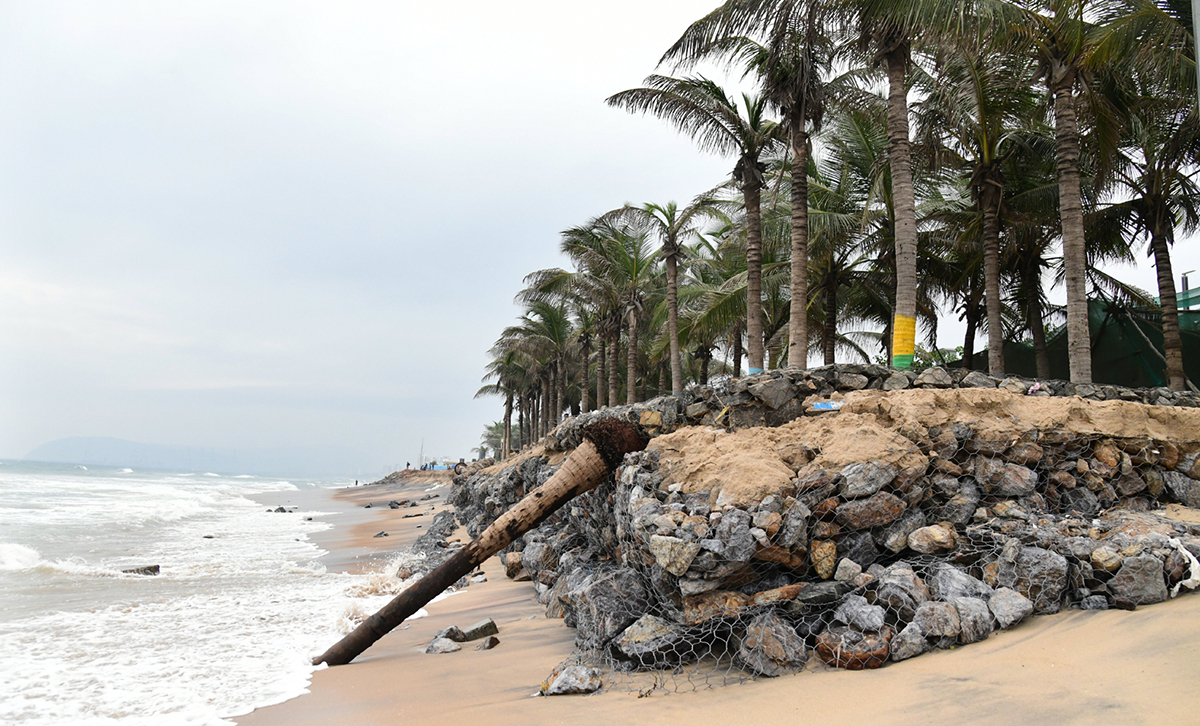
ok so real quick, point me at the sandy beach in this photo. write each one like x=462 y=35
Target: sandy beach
x=1112 y=667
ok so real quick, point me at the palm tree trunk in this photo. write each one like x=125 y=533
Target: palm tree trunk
x=583 y=379
x=507 y=443
x=704 y=360
x=614 y=369
x=1033 y=311
x=631 y=362
x=751 y=192
x=798 y=323
x=1172 y=344
x=601 y=378
x=737 y=352
x=546 y=404
x=562 y=390
x=829 y=335
x=900 y=159
x=1066 y=132
x=989 y=200
x=673 y=323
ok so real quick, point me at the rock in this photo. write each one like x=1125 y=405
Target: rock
x=1080 y=501
x=1139 y=582
x=673 y=554
x=938 y=620
x=488 y=643
x=478 y=579
x=794 y=527
x=1024 y=453
x=777 y=594
x=844 y=647
x=572 y=679
x=451 y=633
x=602 y=604
x=718 y=604
x=847 y=570
x=856 y=612
x=820 y=593
x=1012 y=385
x=738 y=545
x=935 y=377
x=909 y=643
x=1006 y=480
x=1183 y=487
x=770 y=647
x=1009 y=607
x=1108 y=454
x=947 y=581
x=1094 y=602
x=281 y=510
x=894 y=537
x=858 y=546
x=977 y=379
x=442 y=645
x=932 y=539
x=878 y=509
x=823 y=554
x=1106 y=558
x=864 y=479
x=482 y=629
x=975 y=619
x=826 y=530
x=1036 y=573
x=377 y=535
x=147 y=570
x=650 y=641
x=539 y=556
x=774 y=392
x=768 y=522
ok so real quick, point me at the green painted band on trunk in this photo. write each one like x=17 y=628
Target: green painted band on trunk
x=902 y=362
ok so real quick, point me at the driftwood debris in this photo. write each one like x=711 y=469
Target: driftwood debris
x=604 y=446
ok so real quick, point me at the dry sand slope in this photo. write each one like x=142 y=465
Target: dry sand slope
x=1108 y=667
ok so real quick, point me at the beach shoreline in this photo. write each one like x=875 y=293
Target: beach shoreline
x=1077 y=666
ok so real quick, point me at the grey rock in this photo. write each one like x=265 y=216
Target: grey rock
x=1094 y=602
x=572 y=679
x=488 y=643
x=774 y=392
x=1036 y=573
x=650 y=641
x=909 y=643
x=738 y=544
x=1002 y=479
x=858 y=546
x=947 y=581
x=894 y=537
x=817 y=593
x=938 y=620
x=864 y=479
x=1183 y=487
x=1009 y=607
x=859 y=614
x=852 y=381
x=442 y=645
x=377 y=535
x=847 y=570
x=770 y=647
x=602 y=604
x=451 y=633
x=896 y=382
x=1139 y=581
x=975 y=619
x=935 y=377
x=695 y=586
x=793 y=531
x=673 y=554
x=482 y=629
x=1013 y=385
x=977 y=379
x=1080 y=501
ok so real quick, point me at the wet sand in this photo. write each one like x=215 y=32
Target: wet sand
x=1111 y=667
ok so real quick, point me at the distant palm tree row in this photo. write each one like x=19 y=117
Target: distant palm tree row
x=1042 y=139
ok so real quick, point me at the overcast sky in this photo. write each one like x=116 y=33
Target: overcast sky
x=236 y=224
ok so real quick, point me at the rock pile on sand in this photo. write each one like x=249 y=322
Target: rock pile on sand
x=901 y=520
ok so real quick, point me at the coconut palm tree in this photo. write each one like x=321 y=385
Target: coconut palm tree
x=701 y=109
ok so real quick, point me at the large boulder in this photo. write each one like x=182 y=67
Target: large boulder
x=856 y=612
x=1036 y=573
x=651 y=641
x=770 y=647
x=999 y=478
x=1009 y=607
x=947 y=581
x=975 y=620
x=938 y=620
x=1140 y=581
x=863 y=479
x=876 y=510
x=602 y=604
x=1183 y=487
x=844 y=647
x=908 y=643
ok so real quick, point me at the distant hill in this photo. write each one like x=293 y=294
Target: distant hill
x=316 y=462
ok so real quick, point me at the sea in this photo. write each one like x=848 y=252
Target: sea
x=241 y=605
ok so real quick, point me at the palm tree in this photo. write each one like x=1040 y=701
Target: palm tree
x=700 y=108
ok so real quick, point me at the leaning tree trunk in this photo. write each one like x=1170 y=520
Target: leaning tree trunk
x=614 y=368
x=631 y=360
x=989 y=200
x=904 y=324
x=605 y=444
x=1070 y=209
x=752 y=191
x=798 y=323
x=673 y=320
x=1172 y=344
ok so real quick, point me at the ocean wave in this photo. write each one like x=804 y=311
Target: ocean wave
x=17 y=557
x=125 y=471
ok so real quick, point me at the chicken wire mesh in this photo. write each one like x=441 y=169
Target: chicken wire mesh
x=861 y=566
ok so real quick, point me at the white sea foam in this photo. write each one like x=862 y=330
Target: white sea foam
x=17 y=557
x=125 y=471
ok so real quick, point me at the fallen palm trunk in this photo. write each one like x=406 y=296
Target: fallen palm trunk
x=604 y=446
